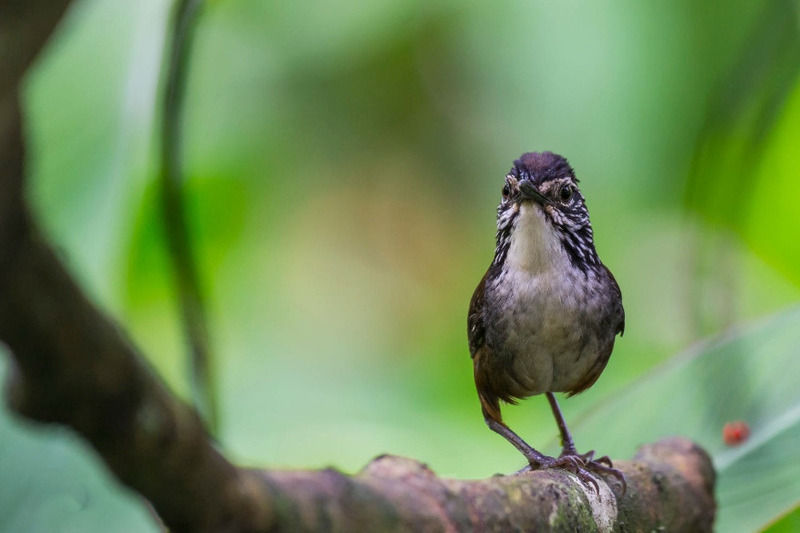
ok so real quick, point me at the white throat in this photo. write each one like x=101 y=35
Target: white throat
x=535 y=247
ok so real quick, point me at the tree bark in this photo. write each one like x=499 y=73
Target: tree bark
x=670 y=488
x=72 y=365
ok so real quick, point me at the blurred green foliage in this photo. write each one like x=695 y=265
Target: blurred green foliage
x=344 y=160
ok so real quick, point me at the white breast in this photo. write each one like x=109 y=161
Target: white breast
x=542 y=299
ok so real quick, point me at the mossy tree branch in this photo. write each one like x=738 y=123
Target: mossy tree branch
x=72 y=365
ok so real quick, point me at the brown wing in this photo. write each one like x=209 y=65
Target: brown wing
x=621 y=311
x=481 y=356
x=617 y=316
x=475 y=328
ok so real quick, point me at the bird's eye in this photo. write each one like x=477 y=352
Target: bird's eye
x=506 y=190
x=565 y=193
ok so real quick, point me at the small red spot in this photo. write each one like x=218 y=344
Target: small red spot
x=735 y=433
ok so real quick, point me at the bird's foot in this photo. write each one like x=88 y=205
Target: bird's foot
x=601 y=465
x=582 y=465
x=570 y=463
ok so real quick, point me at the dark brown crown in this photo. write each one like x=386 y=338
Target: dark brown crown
x=540 y=167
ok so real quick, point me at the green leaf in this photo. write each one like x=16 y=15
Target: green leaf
x=750 y=375
x=789 y=523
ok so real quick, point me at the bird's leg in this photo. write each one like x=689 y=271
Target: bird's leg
x=536 y=459
x=533 y=456
x=567 y=445
x=601 y=465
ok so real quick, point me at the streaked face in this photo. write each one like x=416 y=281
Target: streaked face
x=547 y=181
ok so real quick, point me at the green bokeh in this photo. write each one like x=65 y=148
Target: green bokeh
x=344 y=160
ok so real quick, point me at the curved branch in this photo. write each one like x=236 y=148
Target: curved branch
x=670 y=488
x=74 y=366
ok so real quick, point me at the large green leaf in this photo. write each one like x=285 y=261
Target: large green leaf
x=749 y=374
x=789 y=523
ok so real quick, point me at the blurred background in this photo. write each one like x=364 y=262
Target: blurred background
x=343 y=165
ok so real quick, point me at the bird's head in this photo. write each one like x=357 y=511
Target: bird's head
x=546 y=182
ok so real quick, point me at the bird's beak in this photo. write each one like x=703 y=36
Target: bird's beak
x=529 y=192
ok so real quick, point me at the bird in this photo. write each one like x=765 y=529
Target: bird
x=544 y=317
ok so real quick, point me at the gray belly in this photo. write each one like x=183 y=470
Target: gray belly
x=546 y=333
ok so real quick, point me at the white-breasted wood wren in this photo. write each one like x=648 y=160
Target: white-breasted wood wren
x=545 y=315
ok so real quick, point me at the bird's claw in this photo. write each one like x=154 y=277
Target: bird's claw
x=577 y=465
x=604 y=460
x=587 y=457
x=583 y=465
x=598 y=467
